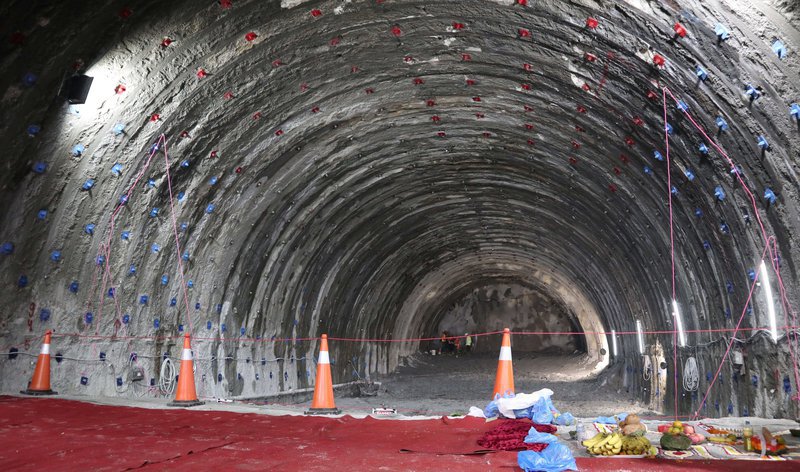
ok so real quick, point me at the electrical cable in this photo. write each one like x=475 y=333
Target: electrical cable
x=166 y=378
x=647 y=369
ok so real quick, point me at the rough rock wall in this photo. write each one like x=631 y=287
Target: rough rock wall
x=371 y=157
x=490 y=309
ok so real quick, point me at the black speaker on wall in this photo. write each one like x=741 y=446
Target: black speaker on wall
x=76 y=88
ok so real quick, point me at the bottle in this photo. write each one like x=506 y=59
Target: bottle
x=581 y=432
x=747 y=434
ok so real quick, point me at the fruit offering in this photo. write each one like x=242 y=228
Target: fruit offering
x=675 y=442
x=676 y=428
x=723 y=439
x=604 y=444
x=774 y=445
x=636 y=445
x=697 y=438
x=631 y=425
x=718 y=431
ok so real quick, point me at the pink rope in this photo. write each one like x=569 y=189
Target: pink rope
x=671 y=253
x=398 y=340
x=730 y=343
x=773 y=254
x=105 y=250
x=177 y=240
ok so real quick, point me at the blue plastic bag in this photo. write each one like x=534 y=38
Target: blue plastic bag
x=550 y=406
x=554 y=458
x=565 y=419
x=611 y=419
x=491 y=410
x=523 y=413
x=542 y=438
x=541 y=412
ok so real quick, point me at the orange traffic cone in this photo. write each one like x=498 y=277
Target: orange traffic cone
x=323 y=403
x=185 y=394
x=504 y=382
x=40 y=383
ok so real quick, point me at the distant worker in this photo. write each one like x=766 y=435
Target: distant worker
x=443 y=345
x=468 y=342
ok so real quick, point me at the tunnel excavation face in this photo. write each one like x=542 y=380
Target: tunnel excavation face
x=384 y=171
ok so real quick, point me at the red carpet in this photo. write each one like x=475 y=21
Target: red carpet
x=62 y=435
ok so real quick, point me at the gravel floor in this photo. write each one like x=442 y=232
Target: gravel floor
x=450 y=385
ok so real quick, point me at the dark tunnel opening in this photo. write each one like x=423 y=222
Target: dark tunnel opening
x=491 y=306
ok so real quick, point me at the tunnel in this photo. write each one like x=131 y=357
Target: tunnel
x=260 y=173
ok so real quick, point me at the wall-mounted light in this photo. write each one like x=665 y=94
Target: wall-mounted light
x=640 y=336
x=773 y=324
x=614 y=342
x=679 y=324
x=76 y=89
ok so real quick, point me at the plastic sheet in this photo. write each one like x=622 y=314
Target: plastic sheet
x=794 y=111
x=555 y=458
x=721 y=31
x=769 y=195
x=541 y=412
x=564 y=419
x=779 y=48
x=611 y=419
x=521 y=401
x=535 y=436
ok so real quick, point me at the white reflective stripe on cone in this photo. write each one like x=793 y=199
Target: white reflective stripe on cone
x=45 y=349
x=505 y=353
x=323 y=358
x=186 y=355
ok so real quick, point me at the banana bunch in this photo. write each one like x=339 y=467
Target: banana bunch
x=604 y=444
x=635 y=445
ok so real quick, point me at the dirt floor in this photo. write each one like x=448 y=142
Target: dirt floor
x=432 y=385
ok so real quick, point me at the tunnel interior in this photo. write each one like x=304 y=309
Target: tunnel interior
x=490 y=308
x=259 y=173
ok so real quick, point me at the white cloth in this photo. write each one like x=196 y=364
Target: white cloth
x=476 y=412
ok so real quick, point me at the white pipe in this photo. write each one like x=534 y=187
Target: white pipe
x=614 y=341
x=640 y=336
x=773 y=324
x=679 y=324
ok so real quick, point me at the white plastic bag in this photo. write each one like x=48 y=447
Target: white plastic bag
x=521 y=401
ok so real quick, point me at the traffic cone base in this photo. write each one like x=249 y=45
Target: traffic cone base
x=323 y=402
x=185 y=393
x=323 y=411
x=40 y=382
x=185 y=403
x=38 y=392
x=504 y=381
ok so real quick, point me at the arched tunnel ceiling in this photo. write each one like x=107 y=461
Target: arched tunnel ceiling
x=365 y=152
